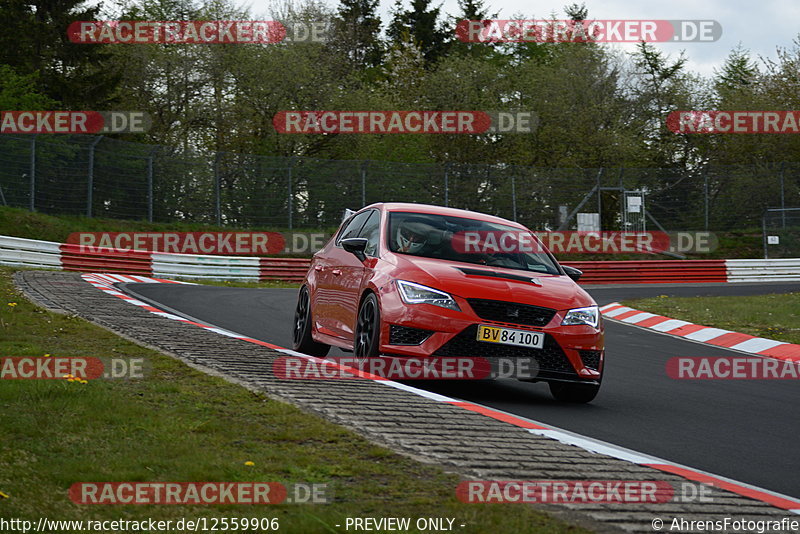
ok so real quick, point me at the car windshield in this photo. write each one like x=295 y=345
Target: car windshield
x=467 y=240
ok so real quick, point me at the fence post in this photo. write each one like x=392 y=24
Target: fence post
x=364 y=183
x=447 y=184
x=764 y=233
x=600 y=196
x=290 y=193
x=514 y=198
x=705 y=199
x=90 y=178
x=783 y=206
x=217 y=190
x=150 y=184
x=32 y=205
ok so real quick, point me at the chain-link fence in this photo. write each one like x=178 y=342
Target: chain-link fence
x=104 y=177
x=781 y=233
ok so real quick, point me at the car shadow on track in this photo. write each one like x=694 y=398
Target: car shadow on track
x=496 y=392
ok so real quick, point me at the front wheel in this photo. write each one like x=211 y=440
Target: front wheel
x=575 y=393
x=302 y=340
x=368 y=329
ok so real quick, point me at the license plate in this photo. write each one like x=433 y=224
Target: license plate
x=509 y=336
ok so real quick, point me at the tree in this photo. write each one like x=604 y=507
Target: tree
x=19 y=92
x=738 y=71
x=356 y=29
x=659 y=86
x=419 y=25
x=34 y=41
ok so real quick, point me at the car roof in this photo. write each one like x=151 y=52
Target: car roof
x=441 y=210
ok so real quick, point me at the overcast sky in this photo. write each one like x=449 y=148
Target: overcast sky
x=759 y=25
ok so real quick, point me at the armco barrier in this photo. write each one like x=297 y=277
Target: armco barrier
x=30 y=253
x=650 y=271
x=78 y=258
x=779 y=270
x=205 y=267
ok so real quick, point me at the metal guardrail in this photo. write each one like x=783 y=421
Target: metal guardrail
x=30 y=253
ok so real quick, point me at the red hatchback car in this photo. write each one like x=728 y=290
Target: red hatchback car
x=396 y=280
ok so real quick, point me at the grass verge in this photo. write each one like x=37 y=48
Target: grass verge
x=179 y=424
x=770 y=316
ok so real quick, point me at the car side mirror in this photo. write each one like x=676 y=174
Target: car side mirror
x=355 y=246
x=572 y=272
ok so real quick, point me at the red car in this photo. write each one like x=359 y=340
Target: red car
x=413 y=280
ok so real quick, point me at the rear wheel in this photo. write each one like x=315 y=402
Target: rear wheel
x=571 y=392
x=302 y=340
x=368 y=329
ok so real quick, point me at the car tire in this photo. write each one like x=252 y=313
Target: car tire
x=367 y=341
x=301 y=339
x=574 y=393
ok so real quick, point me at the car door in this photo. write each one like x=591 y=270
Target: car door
x=340 y=281
x=353 y=271
x=328 y=276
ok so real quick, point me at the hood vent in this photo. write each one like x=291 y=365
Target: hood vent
x=495 y=274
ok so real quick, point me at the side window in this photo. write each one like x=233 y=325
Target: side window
x=353 y=227
x=371 y=231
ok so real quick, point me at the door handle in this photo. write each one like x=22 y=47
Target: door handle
x=337 y=272
x=318 y=268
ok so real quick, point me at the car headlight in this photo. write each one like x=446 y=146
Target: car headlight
x=418 y=294
x=589 y=315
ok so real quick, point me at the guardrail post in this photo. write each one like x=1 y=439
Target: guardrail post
x=90 y=177
x=32 y=204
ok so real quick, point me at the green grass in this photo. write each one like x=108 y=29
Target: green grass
x=178 y=424
x=18 y=222
x=770 y=316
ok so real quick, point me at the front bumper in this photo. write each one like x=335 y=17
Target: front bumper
x=570 y=353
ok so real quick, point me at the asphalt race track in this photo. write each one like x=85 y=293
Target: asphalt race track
x=742 y=429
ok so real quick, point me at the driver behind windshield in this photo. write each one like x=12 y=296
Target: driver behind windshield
x=413 y=236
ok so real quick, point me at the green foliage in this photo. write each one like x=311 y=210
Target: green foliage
x=19 y=92
x=34 y=41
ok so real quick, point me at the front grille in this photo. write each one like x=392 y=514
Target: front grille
x=405 y=335
x=551 y=358
x=591 y=359
x=511 y=312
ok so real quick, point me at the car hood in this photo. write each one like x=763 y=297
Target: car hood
x=496 y=283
